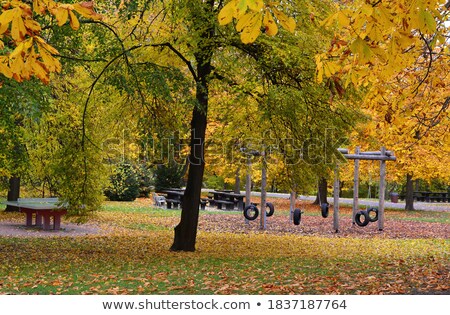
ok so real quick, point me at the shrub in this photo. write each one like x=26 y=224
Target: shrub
x=124 y=184
x=169 y=176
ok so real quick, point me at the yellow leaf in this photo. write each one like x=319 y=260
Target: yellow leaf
x=74 y=23
x=61 y=15
x=17 y=65
x=243 y=21
x=286 y=22
x=227 y=13
x=252 y=30
x=32 y=25
x=255 y=5
x=86 y=9
x=6 y=17
x=269 y=24
x=343 y=19
x=38 y=7
x=23 y=47
x=4 y=69
x=49 y=48
x=18 y=29
x=40 y=71
x=360 y=47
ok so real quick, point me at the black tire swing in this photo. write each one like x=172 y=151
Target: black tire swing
x=367 y=214
x=251 y=212
x=324 y=207
x=297 y=216
x=363 y=214
x=375 y=217
x=271 y=209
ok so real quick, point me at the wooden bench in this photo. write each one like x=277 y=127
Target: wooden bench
x=203 y=202
x=44 y=209
x=229 y=205
x=175 y=203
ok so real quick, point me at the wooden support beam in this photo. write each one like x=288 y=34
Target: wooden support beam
x=248 y=184
x=263 y=219
x=370 y=157
x=381 y=193
x=336 y=200
x=292 y=205
x=356 y=187
x=387 y=153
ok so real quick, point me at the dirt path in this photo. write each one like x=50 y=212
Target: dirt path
x=18 y=229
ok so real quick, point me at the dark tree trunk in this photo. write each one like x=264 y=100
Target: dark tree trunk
x=186 y=231
x=409 y=197
x=237 y=183
x=13 y=192
x=322 y=191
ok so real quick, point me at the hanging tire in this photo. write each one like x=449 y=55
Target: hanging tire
x=271 y=209
x=373 y=218
x=325 y=207
x=364 y=215
x=251 y=212
x=297 y=216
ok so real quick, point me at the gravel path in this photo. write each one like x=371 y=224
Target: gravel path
x=18 y=229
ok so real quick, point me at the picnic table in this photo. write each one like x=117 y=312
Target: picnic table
x=227 y=198
x=430 y=196
x=43 y=208
x=173 y=196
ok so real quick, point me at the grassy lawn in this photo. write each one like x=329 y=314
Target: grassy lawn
x=133 y=258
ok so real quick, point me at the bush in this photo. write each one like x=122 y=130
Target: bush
x=169 y=176
x=124 y=184
x=144 y=175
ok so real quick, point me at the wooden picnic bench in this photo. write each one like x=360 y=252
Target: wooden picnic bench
x=429 y=196
x=43 y=209
x=227 y=198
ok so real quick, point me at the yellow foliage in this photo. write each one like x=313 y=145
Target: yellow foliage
x=251 y=15
x=17 y=22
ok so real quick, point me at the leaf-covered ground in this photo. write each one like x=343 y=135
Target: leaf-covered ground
x=132 y=256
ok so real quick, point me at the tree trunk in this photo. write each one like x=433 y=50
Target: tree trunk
x=237 y=183
x=186 y=231
x=322 y=191
x=409 y=197
x=13 y=192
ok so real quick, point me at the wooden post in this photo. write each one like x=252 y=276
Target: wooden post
x=248 y=184
x=356 y=187
x=263 y=218
x=336 y=200
x=292 y=205
x=382 y=190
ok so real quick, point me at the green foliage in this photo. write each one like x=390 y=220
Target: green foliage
x=145 y=180
x=124 y=183
x=169 y=175
x=215 y=182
